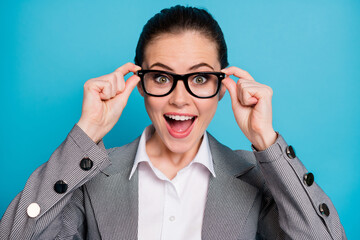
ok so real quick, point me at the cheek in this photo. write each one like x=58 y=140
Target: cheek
x=153 y=107
x=207 y=109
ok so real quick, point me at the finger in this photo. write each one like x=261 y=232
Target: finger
x=130 y=84
x=128 y=67
x=246 y=96
x=113 y=81
x=239 y=93
x=231 y=87
x=250 y=94
x=100 y=88
x=121 y=72
x=256 y=89
x=120 y=82
x=111 y=78
x=237 y=72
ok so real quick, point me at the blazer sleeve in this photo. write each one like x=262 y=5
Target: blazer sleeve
x=304 y=210
x=54 y=192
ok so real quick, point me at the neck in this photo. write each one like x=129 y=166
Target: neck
x=165 y=160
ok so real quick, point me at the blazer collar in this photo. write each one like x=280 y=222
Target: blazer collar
x=226 y=160
x=114 y=198
x=234 y=164
x=229 y=198
x=228 y=203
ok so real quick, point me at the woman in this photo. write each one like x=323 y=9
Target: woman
x=175 y=181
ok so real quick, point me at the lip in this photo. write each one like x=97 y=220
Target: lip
x=180 y=114
x=182 y=134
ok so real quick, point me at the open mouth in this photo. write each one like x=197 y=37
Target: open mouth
x=179 y=126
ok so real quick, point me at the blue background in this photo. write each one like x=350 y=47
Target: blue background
x=307 y=51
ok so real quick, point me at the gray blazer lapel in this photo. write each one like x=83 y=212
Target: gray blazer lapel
x=229 y=199
x=114 y=197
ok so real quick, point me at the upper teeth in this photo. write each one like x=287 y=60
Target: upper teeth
x=180 y=118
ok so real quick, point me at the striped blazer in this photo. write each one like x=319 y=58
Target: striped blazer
x=84 y=192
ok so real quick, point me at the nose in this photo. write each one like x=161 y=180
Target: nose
x=180 y=96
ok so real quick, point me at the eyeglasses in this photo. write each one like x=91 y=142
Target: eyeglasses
x=158 y=83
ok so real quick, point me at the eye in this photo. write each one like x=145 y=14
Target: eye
x=199 y=79
x=161 y=79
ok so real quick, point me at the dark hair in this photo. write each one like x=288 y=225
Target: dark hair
x=178 y=19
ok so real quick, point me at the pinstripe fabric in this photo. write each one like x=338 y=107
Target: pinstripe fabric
x=63 y=164
x=283 y=207
x=257 y=195
x=284 y=177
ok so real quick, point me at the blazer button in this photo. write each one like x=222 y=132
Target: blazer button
x=324 y=210
x=290 y=152
x=60 y=186
x=86 y=164
x=309 y=179
x=33 y=210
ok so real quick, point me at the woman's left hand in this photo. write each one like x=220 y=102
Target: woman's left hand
x=251 y=103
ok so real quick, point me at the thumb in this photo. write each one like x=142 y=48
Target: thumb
x=130 y=84
x=231 y=87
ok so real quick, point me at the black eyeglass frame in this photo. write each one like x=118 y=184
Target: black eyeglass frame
x=178 y=77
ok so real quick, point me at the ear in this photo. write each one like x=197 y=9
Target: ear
x=140 y=89
x=222 y=91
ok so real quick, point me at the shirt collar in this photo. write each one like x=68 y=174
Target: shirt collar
x=203 y=155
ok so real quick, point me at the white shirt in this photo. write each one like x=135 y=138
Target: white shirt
x=172 y=209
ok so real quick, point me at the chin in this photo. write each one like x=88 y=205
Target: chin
x=182 y=145
x=177 y=146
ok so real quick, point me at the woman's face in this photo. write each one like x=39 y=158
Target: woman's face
x=181 y=53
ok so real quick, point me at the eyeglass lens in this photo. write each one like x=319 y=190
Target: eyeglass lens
x=202 y=85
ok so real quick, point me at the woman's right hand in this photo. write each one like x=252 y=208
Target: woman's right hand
x=105 y=98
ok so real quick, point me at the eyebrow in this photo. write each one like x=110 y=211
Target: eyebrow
x=158 y=64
